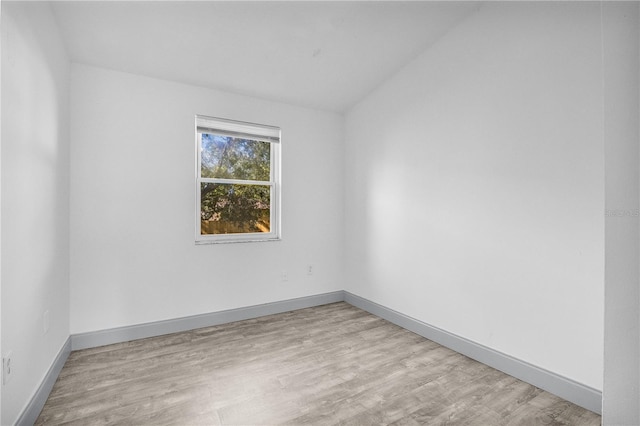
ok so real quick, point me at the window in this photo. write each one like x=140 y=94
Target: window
x=237 y=181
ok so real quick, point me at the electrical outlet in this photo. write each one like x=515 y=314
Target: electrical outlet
x=284 y=276
x=309 y=269
x=7 y=368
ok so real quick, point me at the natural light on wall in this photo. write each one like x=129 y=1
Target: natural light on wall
x=237 y=181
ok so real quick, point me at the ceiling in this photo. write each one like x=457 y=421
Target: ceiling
x=319 y=54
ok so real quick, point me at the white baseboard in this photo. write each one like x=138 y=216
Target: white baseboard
x=572 y=391
x=140 y=331
x=31 y=412
x=563 y=387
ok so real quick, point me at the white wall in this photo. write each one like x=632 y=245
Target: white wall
x=133 y=257
x=621 y=399
x=475 y=186
x=1 y=58
x=491 y=141
x=35 y=197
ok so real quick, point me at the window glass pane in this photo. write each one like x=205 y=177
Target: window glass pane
x=234 y=209
x=227 y=157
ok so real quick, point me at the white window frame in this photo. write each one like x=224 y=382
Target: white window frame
x=260 y=132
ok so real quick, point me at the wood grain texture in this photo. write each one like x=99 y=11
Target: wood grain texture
x=332 y=364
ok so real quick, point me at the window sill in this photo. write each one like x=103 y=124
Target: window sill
x=234 y=241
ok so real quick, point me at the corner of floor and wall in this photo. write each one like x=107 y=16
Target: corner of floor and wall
x=486 y=198
x=566 y=388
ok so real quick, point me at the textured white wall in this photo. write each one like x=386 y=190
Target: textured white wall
x=133 y=257
x=475 y=186
x=35 y=197
x=621 y=399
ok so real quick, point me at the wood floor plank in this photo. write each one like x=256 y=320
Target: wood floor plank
x=332 y=364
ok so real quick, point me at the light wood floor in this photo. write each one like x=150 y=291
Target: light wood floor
x=333 y=364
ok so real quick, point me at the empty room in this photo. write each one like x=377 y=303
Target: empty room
x=320 y=212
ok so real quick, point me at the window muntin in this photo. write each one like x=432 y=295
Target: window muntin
x=237 y=190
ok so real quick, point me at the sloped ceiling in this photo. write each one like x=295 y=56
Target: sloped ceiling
x=325 y=55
